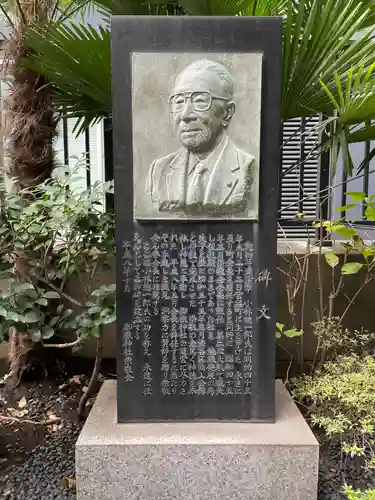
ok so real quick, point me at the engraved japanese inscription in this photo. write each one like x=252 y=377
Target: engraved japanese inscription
x=208 y=166
x=197 y=289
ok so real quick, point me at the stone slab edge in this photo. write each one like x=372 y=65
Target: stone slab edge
x=102 y=429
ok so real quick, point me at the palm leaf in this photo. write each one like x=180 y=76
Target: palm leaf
x=317 y=42
x=213 y=7
x=229 y=7
x=76 y=60
x=354 y=103
x=365 y=133
x=370 y=20
x=139 y=7
x=318 y=39
x=355 y=106
x=108 y=8
x=265 y=8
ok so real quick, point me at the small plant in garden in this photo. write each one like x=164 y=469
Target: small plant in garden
x=335 y=339
x=340 y=399
x=289 y=333
x=354 y=244
x=99 y=311
x=357 y=256
x=338 y=395
x=358 y=494
x=50 y=234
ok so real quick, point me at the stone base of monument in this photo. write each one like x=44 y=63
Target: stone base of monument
x=196 y=460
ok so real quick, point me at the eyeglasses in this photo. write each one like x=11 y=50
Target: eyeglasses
x=201 y=101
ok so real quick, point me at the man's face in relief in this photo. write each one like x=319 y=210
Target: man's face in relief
x=201 y=108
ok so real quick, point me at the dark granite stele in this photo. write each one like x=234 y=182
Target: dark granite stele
x=250 y=400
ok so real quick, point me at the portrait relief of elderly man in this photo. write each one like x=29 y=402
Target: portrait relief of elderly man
x=208 y=172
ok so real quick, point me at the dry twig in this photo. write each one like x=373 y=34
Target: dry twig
x=15 y=420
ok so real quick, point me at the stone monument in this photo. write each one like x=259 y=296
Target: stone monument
x=196 y=117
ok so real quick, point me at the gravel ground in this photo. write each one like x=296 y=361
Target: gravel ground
x=46 y=473
x=37 y=459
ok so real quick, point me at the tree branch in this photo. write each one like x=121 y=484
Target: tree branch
x=22 y=14
x=355 y=296
x=15 y=420
x=317 y=193
x=63 y=294
x=98 y=361
x=63 y=346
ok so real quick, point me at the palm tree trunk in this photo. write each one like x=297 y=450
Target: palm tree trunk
x=31 y=122
x=30 y=128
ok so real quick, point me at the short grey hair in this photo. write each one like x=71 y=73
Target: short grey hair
x=218 y=69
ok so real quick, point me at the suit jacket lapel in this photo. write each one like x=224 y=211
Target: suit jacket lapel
x=175 y=177
x=224 y=177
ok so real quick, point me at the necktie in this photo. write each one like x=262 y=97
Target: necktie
x=197 y=185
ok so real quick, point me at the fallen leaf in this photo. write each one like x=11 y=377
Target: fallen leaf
x=51 y=414
x=84 y=389
x=76 y=379
x=17 y=413
x=3 y=380
x=56 y=427
x=68 y=483
x=22 y=403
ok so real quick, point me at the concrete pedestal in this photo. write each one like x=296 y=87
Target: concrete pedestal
x=196 y=460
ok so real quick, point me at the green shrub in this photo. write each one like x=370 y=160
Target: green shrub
x=358 y=494
x=48 y=235
x=335 y=339
x=340 y=399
